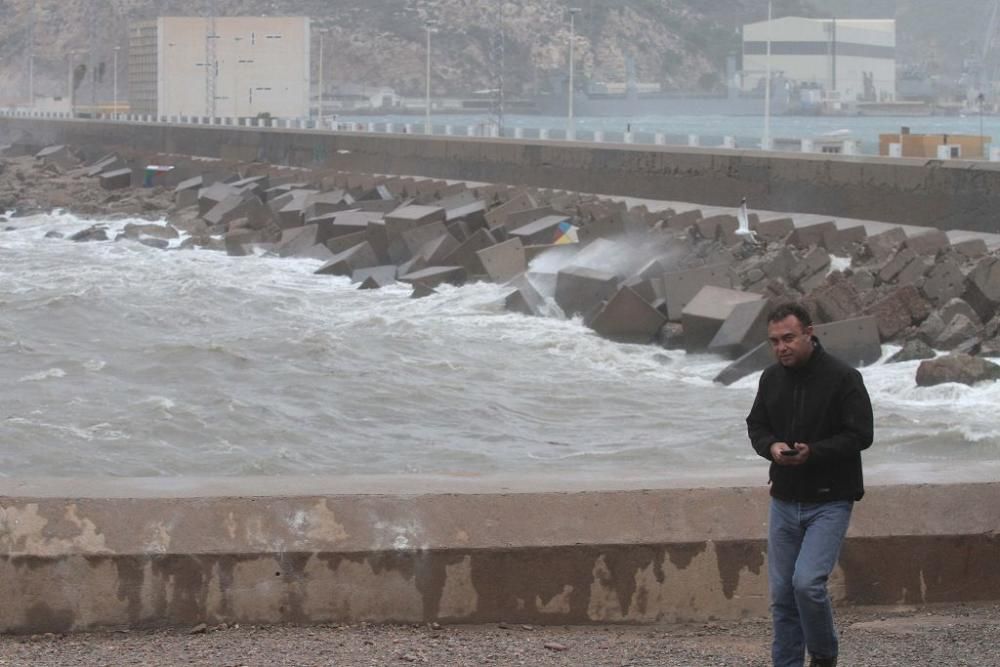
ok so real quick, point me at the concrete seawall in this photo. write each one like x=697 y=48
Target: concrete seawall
x=79 y=555
x=943 y=194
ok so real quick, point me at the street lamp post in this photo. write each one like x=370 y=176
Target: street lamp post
x=114 y=78
x=570 y=130
x=766 y=139
x=319 y=85
x=427 y=99
x=70 y=81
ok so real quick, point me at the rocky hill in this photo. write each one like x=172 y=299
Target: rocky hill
x=681 y=44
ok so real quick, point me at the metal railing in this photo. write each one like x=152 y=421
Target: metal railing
x=482 y=130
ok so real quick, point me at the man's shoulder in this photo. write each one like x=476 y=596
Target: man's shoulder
x=836 y=366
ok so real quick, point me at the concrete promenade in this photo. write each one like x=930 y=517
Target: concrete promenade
x=951 y=194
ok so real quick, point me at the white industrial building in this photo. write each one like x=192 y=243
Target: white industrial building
x=238 y=67
x=851 y=60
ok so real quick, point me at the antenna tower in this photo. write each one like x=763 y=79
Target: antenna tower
x=211 y=62
x=498 y=55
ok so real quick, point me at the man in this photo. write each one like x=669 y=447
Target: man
x=811 y=419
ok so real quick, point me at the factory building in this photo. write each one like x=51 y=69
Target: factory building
x=849 y=60
x=237 y=67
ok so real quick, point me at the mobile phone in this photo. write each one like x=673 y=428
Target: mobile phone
x=789 y=452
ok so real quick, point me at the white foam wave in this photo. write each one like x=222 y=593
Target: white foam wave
x=43 y=375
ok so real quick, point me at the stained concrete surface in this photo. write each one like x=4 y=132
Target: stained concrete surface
x=74 y=559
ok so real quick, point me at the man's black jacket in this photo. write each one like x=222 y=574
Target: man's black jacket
x=825 y=405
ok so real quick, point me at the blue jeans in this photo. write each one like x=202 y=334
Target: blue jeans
x=803 y=544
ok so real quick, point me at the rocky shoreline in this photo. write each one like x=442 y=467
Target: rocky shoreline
x=682 y=280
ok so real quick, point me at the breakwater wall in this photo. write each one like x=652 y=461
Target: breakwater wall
x=76 y=555
x=951 y=194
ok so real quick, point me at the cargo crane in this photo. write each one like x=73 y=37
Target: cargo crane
x=989 y=64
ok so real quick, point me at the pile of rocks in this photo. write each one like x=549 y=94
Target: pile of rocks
x=633 y=275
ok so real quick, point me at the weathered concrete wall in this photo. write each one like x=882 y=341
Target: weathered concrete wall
x=947 y=195
x=72 y=561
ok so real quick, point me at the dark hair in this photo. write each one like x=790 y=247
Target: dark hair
x=791 y=309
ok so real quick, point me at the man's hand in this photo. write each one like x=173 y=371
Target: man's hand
x=801 y=453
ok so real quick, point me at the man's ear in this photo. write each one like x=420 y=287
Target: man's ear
x=809 y=330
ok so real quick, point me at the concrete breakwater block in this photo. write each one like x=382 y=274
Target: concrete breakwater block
x=526 y=299
x=433 y=276
x=522 y=201
x=900 y=309
x=109 y=162
x=503 y=261
x=416 y=238
x=679 y=287
x=380 y=276
x=811 y=235
x=627 y=318
x=928 y=243
x=59 y=155
x=544 y=230
x=414 y=215
x=743 y=329
x=346 y=263
x=773 y=230
x=983 y=287
x=210 y=196
x=880 y=247
x=944 y=281
x=404 y=219
x=239 y=205
x=721 y=228
x=437 y=249
x=705 y=314
x=970 y=248
x=117 y=179
x=297 y=241
x=255 y=184
x=854 y=341
x=682 y=221
x=579 y=290
x=341 y=223
x=840 y=241
x=522 y=218
x=466 y=255
x=322 y=203
x=292 y=214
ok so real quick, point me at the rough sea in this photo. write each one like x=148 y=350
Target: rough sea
x=123 y=360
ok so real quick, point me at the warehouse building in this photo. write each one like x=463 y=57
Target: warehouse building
x=850 y=60
x=237 y=67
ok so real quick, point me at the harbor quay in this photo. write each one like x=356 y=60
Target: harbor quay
x=946 y=194
x=86 y=554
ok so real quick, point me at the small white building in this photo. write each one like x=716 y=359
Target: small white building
x=851 y=60
x=238 y=66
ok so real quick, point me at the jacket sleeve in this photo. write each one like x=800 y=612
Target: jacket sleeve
x=856 y=420
x=759 y=423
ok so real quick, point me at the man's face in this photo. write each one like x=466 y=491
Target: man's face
x=790 y=341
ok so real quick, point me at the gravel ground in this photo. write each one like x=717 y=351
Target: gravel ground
x=938 y=636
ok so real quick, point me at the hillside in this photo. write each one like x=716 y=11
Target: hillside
x=681 y=44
